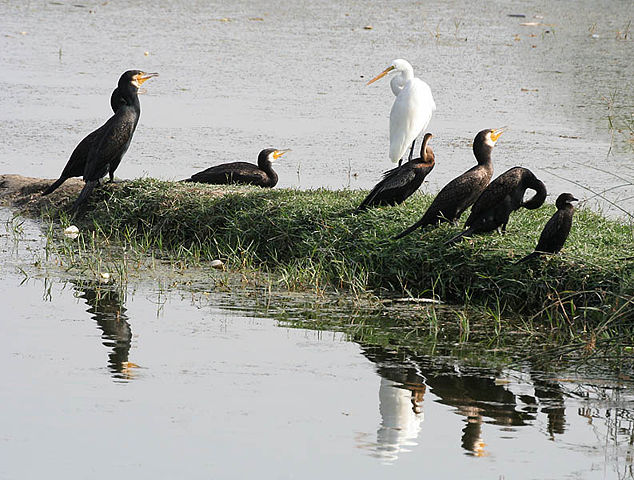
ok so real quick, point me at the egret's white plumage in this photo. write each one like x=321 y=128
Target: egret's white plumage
x=412 y=109
x=396 y=84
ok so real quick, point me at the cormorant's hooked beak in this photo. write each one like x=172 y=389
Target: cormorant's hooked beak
x=573 y=199
x=278 y=153
x=381 y=75
x=140 y=78
x=495 y=134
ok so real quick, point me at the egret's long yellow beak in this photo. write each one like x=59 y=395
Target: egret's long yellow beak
x=495 y=134
x=278 y=153
x=381 y=75
x=142 y=77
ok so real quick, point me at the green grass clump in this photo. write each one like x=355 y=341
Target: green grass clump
x=313 y=239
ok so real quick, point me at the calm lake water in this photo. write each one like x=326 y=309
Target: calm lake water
x=149 y=381
x=154 y=382
x=240 y=76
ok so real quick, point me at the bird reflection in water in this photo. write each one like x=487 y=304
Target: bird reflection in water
x=400 y=406
x=401 y=393
x=551 y=398
x=473 y=393
x=106 y=306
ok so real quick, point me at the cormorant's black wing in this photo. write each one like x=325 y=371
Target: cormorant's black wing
x=236 y=172
x=496 y=191
x=555 y=232
x=77 y=162
x=385 y=191
x=454 y=198
x=114 y=142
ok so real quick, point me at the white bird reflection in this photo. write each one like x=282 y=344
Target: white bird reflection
x=400 y=406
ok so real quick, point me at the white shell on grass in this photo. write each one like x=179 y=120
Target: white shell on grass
x=71 y=232
x=217 y=264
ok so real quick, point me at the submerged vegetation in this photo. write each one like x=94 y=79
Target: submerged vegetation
x=314 y=240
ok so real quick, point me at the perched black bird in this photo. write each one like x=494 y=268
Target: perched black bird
x=401 y=182
x=503 y=196
x=461 y=192
x=105 y=154
x=77 y=162
x=557 y=228
x=261 y=174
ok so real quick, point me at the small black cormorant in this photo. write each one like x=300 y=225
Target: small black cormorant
x=401 y=182
x=461 y=192
x=261 y=174
x=106 y=153
x=77 y=162
x=557 y=228
x=503 y=196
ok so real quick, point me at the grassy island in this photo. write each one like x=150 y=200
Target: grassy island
x=314 y=239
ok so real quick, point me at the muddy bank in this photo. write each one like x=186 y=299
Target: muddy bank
x=25 y=193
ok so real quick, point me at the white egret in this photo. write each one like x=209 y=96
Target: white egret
x=411 y=111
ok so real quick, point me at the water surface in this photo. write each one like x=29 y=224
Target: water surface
x=101 y=381
x=240 y=76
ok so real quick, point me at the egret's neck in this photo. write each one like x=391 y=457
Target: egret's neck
x=407 y=73
x=396 y=84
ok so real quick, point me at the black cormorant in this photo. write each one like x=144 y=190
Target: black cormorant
x=401 y=182
x=503 y=196
x=106 y=153
x=77 y=162
x=261 y=174
x=461 y=192
x=557 y=228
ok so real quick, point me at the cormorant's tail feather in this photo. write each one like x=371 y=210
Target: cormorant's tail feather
x=528 y=257
x=360 y=209
x=365 y=204
x=421 y=222
x=190 y=179
x=84 y=194
x=465 y=233
x=54 y=186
